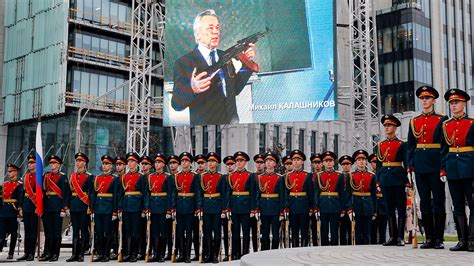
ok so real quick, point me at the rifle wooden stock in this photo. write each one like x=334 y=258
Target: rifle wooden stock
x=318 y=230
x=353 y=225
x=148 y=239
x=229 y=230
x=120 y=247
x=201 y=237
x=92 y=241
x=173 y=248
x=287 y=233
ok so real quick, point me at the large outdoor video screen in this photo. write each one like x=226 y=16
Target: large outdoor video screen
x=249 y=61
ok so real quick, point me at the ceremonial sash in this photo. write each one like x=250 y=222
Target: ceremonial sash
x=53 y=186
x=77 y=188
x=29 y=190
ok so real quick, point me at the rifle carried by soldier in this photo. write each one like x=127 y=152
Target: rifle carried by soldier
x=148 y=237
x=120 y=240
x=173 y=237
x=414 y=242
x=92 y=238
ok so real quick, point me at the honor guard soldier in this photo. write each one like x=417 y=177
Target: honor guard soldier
x=299 y=190
x=364 y=197
x=186 y=184
x=120 y=163
x=57 y=194
x=271 y=201
x=81 y=186
x=329 y=199
x=424 y=144
x=201 y=161
x=317 y=165
x=132 y=205
x=378 y=228
x=160 y=185
x=30 y=218
x=145 y=167
x=241 y=194
x=288 y=163
x=229 y=162
x=11 y=208
x=212 y=202
x=391 y=158
x=104 y=202
x=258 y=159
x=457 y=157
x=173 y=164
x=345 y=238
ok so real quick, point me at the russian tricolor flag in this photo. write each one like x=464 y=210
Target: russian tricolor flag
x=39 y=172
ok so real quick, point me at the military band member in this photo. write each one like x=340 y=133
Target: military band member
x=173 y=164
x=378 y=228
x=229 y=162
x=11 y=208
x=259 y=162
x=30 y=217
x=241 y=194
x=329 y=199
x=160 y=185
x=186 y=184
x=457 y=157
x=424 y=144
x=132 y=205
x=201 y=162
x=212 y=202
x=81 y=186
x=364 y=197
x=271 y=201
x=345 y=238
x=104 y=203
x=317 y=166
x=391 y=158
x=120 y=163
x=299 y=190
x=288 y=163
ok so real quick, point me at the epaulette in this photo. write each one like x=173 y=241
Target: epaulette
x=62 y=173
x=440 y=114
x=166 y=173
x=371 y=172
x=87 y=173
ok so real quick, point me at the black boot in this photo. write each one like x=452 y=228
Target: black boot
x=275 y=243
x=99 y=250
x=47 y=252
x=134 y=250
x=187 y=250
x=392 y=230
x=471 y=233
x=208 y=250
x=26 y=250
x=428 y=224
x=215 y=250
x=440 y=220
x=31 y=250
x=83 y=246
x=461 y=228
x=75 y=246
x=2 y=243
x=55 y=249
x=126 y=242
x=236 y=246
x=161 y=249
x=106 y=249
x=401 y=231
x=245 y=246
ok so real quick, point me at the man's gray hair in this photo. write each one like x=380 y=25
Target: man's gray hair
x=197 y=20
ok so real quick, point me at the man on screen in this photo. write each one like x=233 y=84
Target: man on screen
x=209 y=96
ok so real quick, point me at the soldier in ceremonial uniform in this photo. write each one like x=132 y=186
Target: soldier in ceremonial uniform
x=212 y=202
x=186 y=184
x=229 y=162
x=11 y=208
x=104 y=202
x=119 y=162
x=160 y=185
x=317 y=165
x=299 y=190
x=173 y=164
x=132 y=205
x=145 y=167
x=241 y=194
x=271 y=201
x=424 y=144
x=201 y=162
x=258 y=159
x=391 y=158
x=457 y=157
x=345 y=238
x=30 y=217
x=364 y=197
x=329 y=199
x=81 y=186
x=288 y=163
x=56 y=198
x=378 y=228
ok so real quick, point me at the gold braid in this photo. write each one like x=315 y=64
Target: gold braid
x=325 y=187
x=449 y=141
x=354 y=186
x=229 y=179
x=287 y=184
x=379 y=156
x=265 y=187
x=419 y=134
x=203 y=186
x=179 y=188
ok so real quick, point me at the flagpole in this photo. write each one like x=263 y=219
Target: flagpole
x=39 y=183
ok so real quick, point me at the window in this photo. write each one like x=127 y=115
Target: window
x=86 y=42
x=289 y=132
x=96 y=10
x=218 y=139
x=76 y=84
x=78 y=40
x=205 y=140
x=325 y=142
x=336 y=144
x=301 y=140
x=387 y=41
x=388 y=74
x=94 y=84
x=192 y=132
x=276 y=134
x=262 y=142
x=84 y=83
x=88 y=10
x=95 y=44
x=110 y=86
x=313 y=141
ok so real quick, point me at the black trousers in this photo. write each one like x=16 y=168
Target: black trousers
x=270 y=222
x=212 y=233
x=329 y=223
x=80 y=227
x=362 y=229
x=103 y=225
x=345 y=231
x=184 y=232
x=461 y=192
x=225 y=229
x=378 y=230
x=9 y=225
x=52 y=223
x=30 y=221
x=253 y=229
x=196 y=235
x=314 y=230
x=299 y=224
x=240 y=220
x=396 y=200
x=159 y=225
x=132 y=225
x=427 y=185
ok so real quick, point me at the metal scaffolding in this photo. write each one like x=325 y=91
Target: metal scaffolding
x=147 y=27
x=366 y=104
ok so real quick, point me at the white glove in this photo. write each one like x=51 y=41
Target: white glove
x=92 y=217
x=199 y=215
x=223 y=215
x=62 y=214
x=68 y=213
x=407 y=189
x=318 y=215
x=173 y=215
x=351 y=216
x=342 y=215
x=148 y=215
x=120 y=216
x=374 y=217
x=229 y=215
x=443 y=179
x=20 y=212
x=252 y=215
x=409 y=177
x=114 y=217
x=257 y=216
